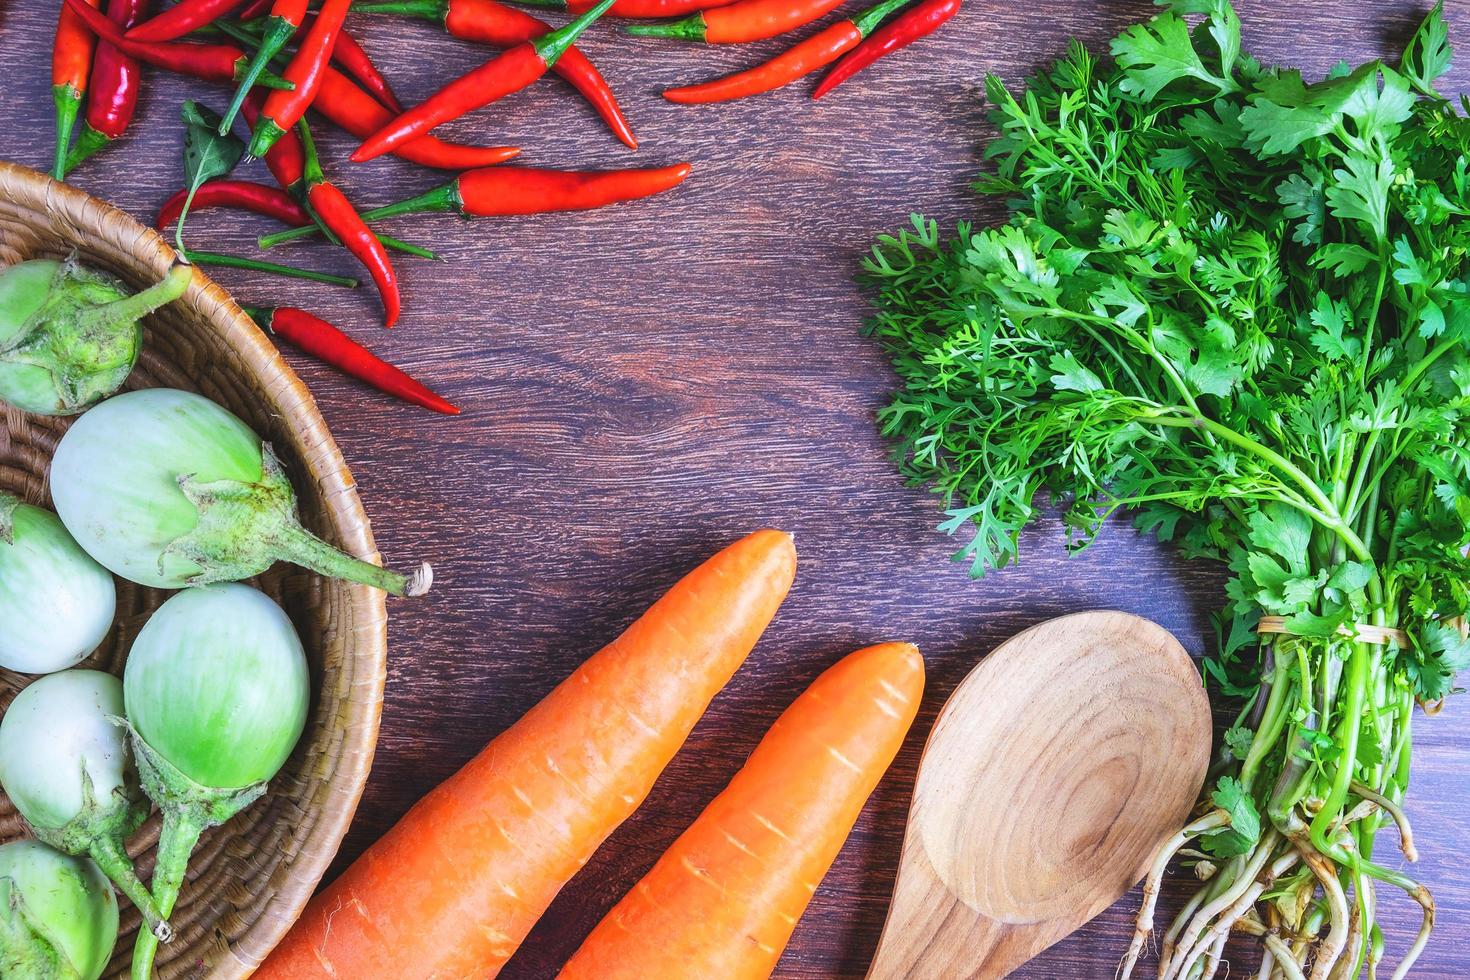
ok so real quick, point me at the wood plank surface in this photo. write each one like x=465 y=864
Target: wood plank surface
x=645 y=383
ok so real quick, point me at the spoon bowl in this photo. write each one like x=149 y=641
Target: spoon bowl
x=1053 y=773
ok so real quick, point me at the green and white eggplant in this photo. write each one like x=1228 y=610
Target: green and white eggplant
x=66 y=766
x=216 y=691
x=168 y=489
x=69 y=335
x=58 y=915
x=57 y=604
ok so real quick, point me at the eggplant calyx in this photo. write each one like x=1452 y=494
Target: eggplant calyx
x=98 y=831
x=243 y=528
x=240 y=524
x=87 y=355
x=180 y=796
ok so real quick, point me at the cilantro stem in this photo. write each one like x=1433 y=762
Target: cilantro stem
x=1348 y=729
x=1268 y=732
x=1329 y=514
x=1365 y=457
x=1427 y=361
x=1371 y=329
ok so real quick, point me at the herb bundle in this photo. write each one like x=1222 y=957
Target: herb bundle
x=1236 y=304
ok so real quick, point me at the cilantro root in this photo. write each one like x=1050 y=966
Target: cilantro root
x=1232 y=302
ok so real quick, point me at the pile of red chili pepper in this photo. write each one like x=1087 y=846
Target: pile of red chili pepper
x=284 y=58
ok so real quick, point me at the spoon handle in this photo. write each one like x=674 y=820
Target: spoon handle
x=930 y=934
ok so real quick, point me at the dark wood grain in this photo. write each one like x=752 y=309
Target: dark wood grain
x=645 y=383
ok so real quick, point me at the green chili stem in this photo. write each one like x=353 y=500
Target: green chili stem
x=278 y=31
x=291 y=234
x=869 y=19
x=550 y=47
x=239 y=262
x=424 y=9
x=68 y=102
x=88 y=142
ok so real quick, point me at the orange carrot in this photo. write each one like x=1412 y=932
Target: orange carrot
x=724 y=899
x=453 y=888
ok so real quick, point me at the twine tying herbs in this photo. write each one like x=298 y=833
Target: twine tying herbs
x=1364 y=633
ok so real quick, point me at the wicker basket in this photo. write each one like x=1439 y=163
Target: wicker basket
x=249 y=879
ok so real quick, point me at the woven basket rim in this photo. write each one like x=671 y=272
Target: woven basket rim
x=287 y=397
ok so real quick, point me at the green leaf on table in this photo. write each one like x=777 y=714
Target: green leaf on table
x=207 y=155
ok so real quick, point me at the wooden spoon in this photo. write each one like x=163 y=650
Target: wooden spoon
x=1053 y=773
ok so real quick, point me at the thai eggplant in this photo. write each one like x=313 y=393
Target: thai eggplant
x=58 y=915
x=216 y=692
x=65 y=765
x=69 y=335
x=168 y=489
x=56 y=603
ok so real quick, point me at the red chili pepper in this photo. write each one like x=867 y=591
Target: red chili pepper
x=287 y=163
x=495 y=79
x=273 y=202
x=358 y=64
x=501 y=191
x=280 y=27
x=631 y=9
x=802 y=59
x=493 y=23
x=305 y=69
x=923 y=19
x=346 y=105
x=337 y=214
x=323 y=341
x=71 y=66
x=112 y=96
x=182 y=18
x=210 y=62
x=742 y=21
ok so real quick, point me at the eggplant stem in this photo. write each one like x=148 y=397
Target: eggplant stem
x=303 y=548
x=141 y=303
x=114 y=862
x=176 y=840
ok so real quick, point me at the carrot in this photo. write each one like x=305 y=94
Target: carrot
x=453 y=888
x=724 y=899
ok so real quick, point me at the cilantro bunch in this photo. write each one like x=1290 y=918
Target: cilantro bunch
x=1234 y=303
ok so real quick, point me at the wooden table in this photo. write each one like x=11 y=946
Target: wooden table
x=643 y=384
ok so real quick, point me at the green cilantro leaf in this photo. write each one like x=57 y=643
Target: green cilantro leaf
x=1244 y=829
